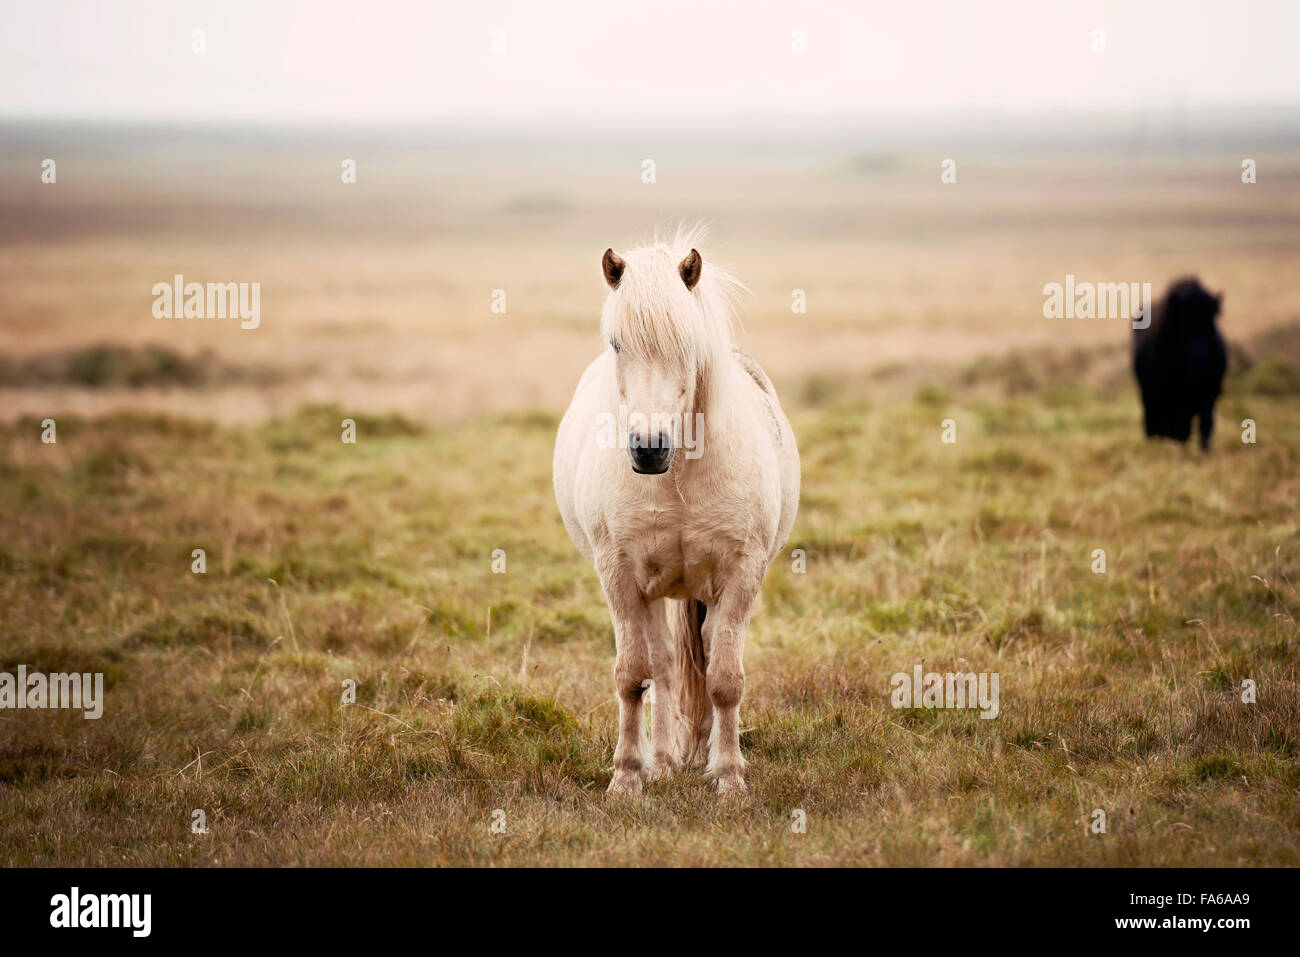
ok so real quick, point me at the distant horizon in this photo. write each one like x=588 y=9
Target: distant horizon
x=1284 y=113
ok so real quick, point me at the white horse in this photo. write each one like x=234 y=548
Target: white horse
x=677 y=476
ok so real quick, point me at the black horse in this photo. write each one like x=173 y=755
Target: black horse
x=1179 y=361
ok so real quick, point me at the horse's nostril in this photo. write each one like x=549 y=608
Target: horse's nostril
x=648 y=457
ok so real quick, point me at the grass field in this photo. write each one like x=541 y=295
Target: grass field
x=478 y=691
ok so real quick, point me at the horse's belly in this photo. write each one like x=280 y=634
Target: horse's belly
x=677 y=570
x=677 y=582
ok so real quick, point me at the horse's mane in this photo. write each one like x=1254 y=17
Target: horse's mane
x=654 y=315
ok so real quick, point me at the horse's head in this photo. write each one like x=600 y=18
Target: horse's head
x=664 y=342
x=1194 y=305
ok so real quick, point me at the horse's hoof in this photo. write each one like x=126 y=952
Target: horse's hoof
x=731 y=786
x=625 y=782
x=665 y=766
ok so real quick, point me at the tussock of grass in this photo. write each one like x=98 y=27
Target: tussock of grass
x=121 y=366
x=1275 y=370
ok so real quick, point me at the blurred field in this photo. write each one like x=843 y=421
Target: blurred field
x=479 y=691
x=377 y=295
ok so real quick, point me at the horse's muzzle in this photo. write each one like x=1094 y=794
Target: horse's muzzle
x=650 y=458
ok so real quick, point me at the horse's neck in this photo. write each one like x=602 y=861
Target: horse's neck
x=711 y=386
x=715 y=391
x=717 y=411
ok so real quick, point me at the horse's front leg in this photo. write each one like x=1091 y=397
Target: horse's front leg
x=724 y=637
x=631 y=618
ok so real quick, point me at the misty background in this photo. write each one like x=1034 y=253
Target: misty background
x=502 y=147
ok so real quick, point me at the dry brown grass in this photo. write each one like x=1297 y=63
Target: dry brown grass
x=479 y=692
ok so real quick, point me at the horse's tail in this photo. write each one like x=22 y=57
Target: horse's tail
x=695 y=711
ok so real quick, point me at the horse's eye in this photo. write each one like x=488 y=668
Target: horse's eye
x=613 y=345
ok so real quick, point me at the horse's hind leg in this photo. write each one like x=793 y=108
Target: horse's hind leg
x=663 y=714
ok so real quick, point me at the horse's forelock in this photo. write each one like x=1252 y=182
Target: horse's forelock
x=654 y=315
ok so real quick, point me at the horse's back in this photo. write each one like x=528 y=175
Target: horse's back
x=751 y=366
x=784 y=443
x=573 y=438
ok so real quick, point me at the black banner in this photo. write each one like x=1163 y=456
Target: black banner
x=932 y=907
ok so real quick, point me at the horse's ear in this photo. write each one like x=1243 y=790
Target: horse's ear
x=613 y=266
x=690 y=269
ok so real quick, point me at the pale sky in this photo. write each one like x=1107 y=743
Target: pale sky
x=618 y=63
